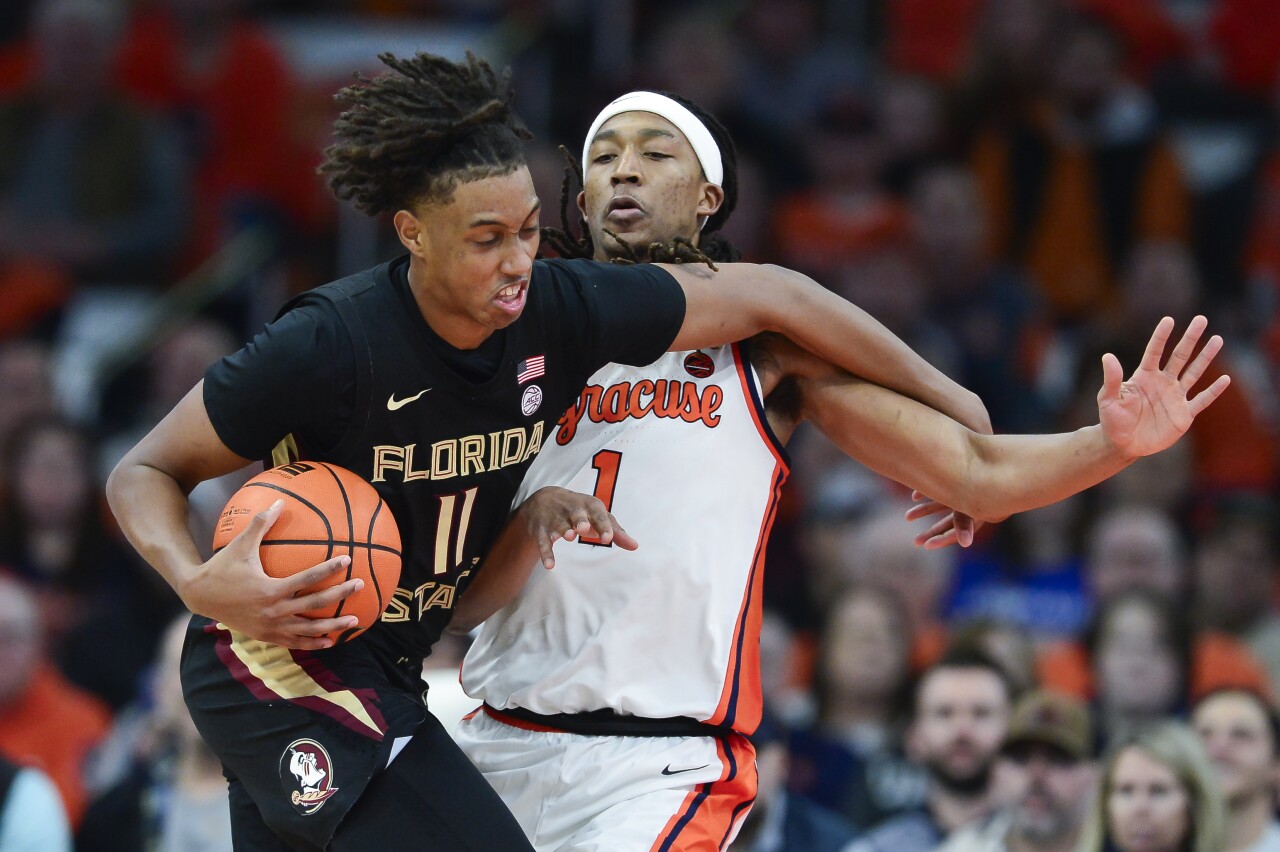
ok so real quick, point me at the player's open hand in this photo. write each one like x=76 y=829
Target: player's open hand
x=954 y=527
x=1153 y=409
x=554 y=513
x=233 y=588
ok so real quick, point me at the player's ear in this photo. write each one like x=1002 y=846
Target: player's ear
x=711 y=199
x=582 y=203
x=410 y=231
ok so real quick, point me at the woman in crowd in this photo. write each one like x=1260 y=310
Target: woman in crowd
x=1158 y=794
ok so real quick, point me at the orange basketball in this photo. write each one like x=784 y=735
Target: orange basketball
x=328 y=512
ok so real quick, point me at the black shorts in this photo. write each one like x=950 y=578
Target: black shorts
x=301 y=734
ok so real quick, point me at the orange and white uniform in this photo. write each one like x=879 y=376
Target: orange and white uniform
x=682 y=455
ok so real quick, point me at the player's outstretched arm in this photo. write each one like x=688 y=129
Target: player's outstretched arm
x=742 y=300
x=547 y=516
x=991 y=477
x=148 y=494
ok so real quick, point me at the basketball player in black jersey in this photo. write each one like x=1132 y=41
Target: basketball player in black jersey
x=436 y=377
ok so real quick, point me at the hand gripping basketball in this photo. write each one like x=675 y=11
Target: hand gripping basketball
x=317 y=550
x=234 y=589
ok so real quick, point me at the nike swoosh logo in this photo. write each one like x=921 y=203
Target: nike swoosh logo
x=394 y=404
x=670 y=771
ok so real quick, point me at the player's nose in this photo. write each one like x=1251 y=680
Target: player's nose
x=626 y=169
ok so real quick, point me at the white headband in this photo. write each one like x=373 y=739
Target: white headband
x=704 y=144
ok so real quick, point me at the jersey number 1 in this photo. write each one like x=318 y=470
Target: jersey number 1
x=606 y=463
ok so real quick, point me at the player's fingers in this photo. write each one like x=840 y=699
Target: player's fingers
x=302 y=643
x=600 y=522
x=308 y=634
x=1112 y=378
x=924 y=510
x=251 y=536
x=544 y=541
x=1205 y=398
x=621 y=537
x=943 y=526
x=290 y=586
x=964 y=529
x=1155 y=346
x=1187 y=345
x=325 y=597
x=318 y=627
x=1196 y=368
x=927 y=541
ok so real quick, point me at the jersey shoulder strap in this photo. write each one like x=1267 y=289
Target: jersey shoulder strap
x=343 y=295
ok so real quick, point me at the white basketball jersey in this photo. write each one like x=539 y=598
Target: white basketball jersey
x=681 y=453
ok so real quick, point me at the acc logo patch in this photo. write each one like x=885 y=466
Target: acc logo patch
x=699 y=365
x=531 y=400
x=306 y=773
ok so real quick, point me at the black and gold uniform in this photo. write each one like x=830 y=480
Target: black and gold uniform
x=355 y=376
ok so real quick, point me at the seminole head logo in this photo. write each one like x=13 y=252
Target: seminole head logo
x=307 y=775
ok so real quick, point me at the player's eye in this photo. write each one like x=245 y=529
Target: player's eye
x=603 y=158
x=489 y=242
x=657 y=155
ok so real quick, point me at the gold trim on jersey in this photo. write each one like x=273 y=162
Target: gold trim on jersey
x=285 y=452
x=274 y=666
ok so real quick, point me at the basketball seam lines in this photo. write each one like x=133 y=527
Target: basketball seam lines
x=368 y=545
x=351 y=534
x=373 y=575
x=324 y=520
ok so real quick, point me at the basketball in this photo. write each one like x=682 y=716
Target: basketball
x=328 y=512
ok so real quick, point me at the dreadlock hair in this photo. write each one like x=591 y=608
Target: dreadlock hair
x=411 y=136
x=713 y=246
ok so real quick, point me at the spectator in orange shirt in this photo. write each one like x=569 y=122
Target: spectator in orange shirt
x=44 y=720
x=89 y=183
x=1081 y=177
x=228 y=86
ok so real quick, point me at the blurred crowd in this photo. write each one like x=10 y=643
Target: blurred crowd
x=1013 y=186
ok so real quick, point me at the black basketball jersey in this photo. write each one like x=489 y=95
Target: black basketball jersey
x=448 y=454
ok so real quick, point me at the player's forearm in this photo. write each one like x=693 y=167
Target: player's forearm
x=152 y=509
x=1016 y=473
x=499 y=578
x=984 y=476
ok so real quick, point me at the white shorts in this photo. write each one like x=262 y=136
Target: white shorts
x=573 y=793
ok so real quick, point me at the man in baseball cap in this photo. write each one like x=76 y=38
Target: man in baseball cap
x=1049 y=750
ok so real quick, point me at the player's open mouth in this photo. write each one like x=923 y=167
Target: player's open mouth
x=624 y=208
x=511 y=298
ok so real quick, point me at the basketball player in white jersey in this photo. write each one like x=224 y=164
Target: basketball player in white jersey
x=619 y=687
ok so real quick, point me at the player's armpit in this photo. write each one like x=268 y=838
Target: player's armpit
x=148 y=489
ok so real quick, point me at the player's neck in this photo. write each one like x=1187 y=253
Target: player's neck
x=451 y=326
